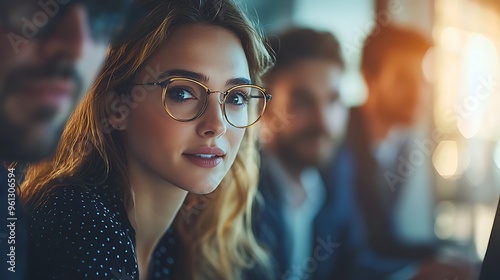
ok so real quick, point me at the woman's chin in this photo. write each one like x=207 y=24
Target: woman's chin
x=205 y=189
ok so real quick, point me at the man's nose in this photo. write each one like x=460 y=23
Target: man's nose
x=66 y=41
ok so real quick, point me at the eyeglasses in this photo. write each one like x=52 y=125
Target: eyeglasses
x=185 y=99
x=37 y=19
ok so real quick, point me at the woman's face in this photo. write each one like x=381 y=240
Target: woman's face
x=194 y=155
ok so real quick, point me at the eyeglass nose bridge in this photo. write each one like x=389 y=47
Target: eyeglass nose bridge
x=221 y=98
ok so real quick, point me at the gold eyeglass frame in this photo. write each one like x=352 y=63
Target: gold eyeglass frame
x=164 y=85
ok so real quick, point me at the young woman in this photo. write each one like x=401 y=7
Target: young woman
x=167 y=120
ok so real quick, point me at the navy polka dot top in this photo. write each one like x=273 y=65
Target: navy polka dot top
x=84 y=233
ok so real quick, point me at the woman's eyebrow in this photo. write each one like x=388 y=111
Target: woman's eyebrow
x=201 y=77
x=184 y=73
x=238 y=81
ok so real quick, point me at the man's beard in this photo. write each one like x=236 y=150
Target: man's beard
x=17 y=144
x=21 y=142
x=286 y=147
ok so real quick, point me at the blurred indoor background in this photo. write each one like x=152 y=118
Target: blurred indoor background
x=462 y=118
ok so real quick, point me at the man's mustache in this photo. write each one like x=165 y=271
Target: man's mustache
x=313 y=133
x=20 y=78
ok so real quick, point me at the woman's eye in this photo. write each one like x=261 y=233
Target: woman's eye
x=181 y=94
x=237 y=98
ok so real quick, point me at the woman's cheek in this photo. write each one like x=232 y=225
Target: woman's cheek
x=235 y=140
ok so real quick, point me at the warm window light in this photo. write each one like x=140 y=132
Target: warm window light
x=483 y=222
x=429 y=65
x=496 y=155
x=445 y=159
x=475 y=95
x=466 y=102
x=477 y=173
x=452 y=39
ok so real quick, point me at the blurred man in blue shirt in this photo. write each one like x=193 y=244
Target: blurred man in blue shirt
x=309 y=219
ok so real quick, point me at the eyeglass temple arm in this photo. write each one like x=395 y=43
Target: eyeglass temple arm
x=267 y=96
x=149 y=84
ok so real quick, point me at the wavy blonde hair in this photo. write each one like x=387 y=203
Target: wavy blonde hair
x=215 y=229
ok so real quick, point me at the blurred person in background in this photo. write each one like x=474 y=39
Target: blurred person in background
x=380 y=136
x=41 y=42
x=309 y=219
x=388 y=175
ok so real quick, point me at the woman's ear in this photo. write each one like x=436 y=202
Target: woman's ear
x=117 y=110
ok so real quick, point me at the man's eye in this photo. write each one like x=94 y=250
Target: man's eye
x=302 y=104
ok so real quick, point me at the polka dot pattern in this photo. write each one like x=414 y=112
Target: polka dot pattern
x=84 y=233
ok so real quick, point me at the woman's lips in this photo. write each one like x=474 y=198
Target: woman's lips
x=205 y=161
x=206 y=157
